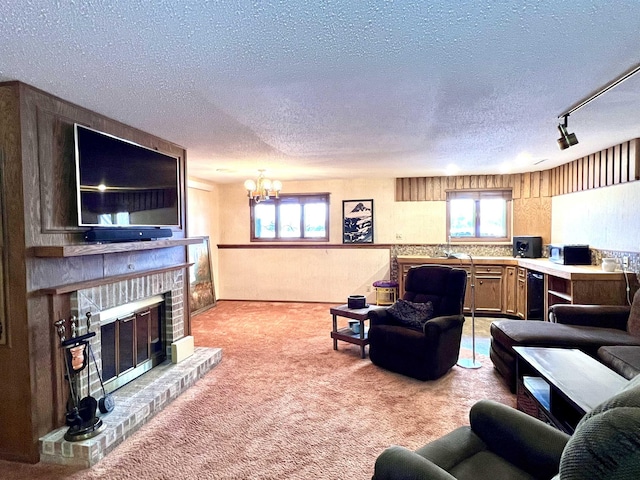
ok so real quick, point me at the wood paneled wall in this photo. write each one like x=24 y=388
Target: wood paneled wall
x=617 y=164
x=614 y=165
x=523 y=185
x=3 y=328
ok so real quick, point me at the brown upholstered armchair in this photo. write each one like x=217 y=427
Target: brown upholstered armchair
x=428 y=350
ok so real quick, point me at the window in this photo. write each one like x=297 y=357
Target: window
x=291 y=217
x=479 y=215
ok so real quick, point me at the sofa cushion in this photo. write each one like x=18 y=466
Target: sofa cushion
x=623 y=359
x=606 y=446
x=465 y=456
x=633 y=324
x=411 y=314
x=606 y=442
x=546 y=334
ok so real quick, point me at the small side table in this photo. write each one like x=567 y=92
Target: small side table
x=345 y=334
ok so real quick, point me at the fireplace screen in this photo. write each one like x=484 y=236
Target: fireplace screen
x=131 y=345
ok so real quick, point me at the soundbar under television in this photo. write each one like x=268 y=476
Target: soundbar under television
x=133 y=234
x=123 y=185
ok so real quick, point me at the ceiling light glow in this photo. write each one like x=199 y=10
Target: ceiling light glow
x=452 y=169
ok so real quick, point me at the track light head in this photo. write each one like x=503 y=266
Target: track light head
x=566 y=139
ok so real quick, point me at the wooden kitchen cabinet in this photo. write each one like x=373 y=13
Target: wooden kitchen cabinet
x=510 y=290
x=578 y=284
x=521 y=296
x=488 y=289
x=602 y=291
x=495 y=286
x=501 y=283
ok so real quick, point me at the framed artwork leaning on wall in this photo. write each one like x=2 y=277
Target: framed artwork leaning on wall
x=201 y=289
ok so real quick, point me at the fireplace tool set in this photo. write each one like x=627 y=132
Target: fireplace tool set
x=81 y=412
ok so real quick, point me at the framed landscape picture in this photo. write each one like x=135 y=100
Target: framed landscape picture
x=201 y=290
x=357 y=221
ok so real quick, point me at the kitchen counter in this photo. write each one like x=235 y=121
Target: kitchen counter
x=570 y=272
x=457 y=261
x=542 y=265
x=502 y=282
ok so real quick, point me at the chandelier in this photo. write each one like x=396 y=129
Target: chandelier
x=262 y=188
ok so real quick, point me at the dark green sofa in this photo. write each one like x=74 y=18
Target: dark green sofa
x=502 y=443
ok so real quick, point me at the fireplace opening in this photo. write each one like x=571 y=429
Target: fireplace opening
x=132 y=339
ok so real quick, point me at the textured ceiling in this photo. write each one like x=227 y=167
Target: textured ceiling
x=337 y=89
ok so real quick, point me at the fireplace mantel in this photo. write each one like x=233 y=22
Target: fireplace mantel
x=73 y=287
x=62 y=251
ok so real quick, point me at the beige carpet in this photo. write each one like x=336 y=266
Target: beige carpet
x=283 y=404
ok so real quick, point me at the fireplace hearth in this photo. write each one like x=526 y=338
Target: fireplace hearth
x=136 y=403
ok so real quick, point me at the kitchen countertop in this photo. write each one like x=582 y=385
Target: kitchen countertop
x=542 y=265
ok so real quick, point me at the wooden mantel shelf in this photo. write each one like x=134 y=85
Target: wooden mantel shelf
x=101 y=248
x=97 y=282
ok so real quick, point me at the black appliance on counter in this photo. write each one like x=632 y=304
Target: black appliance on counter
x=527 y=247
x=570 y=254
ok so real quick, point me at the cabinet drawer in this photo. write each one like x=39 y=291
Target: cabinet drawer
x=522 y=272
x=488 y=270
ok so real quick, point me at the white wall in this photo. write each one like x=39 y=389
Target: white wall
x=312 y=275
x=320 y=274
x=604 y=218
x=203 y=219
x=415 y=222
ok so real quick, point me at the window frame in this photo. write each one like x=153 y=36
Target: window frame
x=477 y=195
x=306 y=198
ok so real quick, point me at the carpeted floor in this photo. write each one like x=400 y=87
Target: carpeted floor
x=283 y=404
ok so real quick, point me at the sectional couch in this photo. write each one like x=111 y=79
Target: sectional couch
x=606 y=332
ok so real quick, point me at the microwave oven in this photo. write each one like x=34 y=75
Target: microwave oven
x=570 y=254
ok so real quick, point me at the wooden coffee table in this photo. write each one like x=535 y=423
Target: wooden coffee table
x=345 y=334
x=559 y=385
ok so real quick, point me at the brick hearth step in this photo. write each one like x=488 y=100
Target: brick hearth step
x=136 y=403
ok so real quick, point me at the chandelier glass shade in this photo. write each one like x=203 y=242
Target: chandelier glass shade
x=263 y=188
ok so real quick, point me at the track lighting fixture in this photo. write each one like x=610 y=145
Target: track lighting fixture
x=566 y=139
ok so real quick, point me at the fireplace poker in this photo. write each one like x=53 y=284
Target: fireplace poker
x=107 y=403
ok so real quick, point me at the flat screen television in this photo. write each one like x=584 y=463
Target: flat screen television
x=122 y=184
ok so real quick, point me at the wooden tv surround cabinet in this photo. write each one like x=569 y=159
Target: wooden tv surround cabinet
x=45 y=261
x=501 y=282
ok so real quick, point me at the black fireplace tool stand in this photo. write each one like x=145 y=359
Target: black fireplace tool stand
x=81 y=412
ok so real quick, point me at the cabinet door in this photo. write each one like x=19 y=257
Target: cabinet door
x=510 y=290
x=404 y=268
x=522 y=293
x=488 y=290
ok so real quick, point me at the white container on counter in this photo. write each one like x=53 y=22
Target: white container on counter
x=609 y=264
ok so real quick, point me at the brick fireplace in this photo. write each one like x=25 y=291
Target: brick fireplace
x=124 y=296
x=144 y=395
